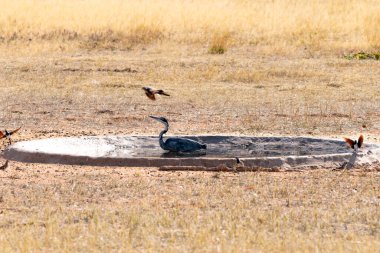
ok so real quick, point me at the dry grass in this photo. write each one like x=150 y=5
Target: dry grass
x=292 y=96
x=65 y=72
x=219 y=43
x=49 y=208
x=273 y=26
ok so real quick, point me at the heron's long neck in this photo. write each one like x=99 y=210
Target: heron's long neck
x=162 y=143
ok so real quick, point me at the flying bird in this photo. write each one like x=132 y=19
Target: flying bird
x=355 y=144
x=8 y=135
x=150 y=93
x=176 y=144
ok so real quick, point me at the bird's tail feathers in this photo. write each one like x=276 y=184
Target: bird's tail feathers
x=161 y=92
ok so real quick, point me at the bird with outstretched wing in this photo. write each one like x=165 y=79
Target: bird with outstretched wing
x=150 y=92
x=8 y=134
x=355 y=144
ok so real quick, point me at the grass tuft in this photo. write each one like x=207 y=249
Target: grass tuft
x=363 y=56
x=110 y=39
x=144 y=34
x=219 y=43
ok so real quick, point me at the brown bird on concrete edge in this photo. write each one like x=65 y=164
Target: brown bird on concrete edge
x=355 y=144
x=7 y=134
x=150 y=92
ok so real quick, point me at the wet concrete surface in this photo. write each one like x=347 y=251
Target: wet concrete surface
x=132 y=150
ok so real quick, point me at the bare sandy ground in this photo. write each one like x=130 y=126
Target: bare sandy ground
x=142 y=209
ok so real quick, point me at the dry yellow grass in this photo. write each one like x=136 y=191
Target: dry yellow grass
x=230 y=93
x=50 y=208
x=65 y=72
x=275 y=26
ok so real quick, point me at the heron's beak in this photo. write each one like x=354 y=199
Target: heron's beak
x=153 y=117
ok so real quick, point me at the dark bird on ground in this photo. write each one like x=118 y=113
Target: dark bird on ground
x=355 y=144
x=8 y=135
x=150 y=93
x=4 y=166
x=239 y=165
x=177 y=144
x=238 y=160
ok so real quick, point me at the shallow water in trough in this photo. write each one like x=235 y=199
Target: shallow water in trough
x=227 y=146
x=217 y=146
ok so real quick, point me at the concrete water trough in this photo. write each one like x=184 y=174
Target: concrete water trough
x=144 y=151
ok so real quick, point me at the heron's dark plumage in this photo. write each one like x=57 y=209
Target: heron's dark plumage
x=177 y=144
x=183 y=145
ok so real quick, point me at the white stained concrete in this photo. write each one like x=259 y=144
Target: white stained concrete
x=145 y=151
x=83 y=146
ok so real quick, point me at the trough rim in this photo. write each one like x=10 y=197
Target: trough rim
x=15 y=154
